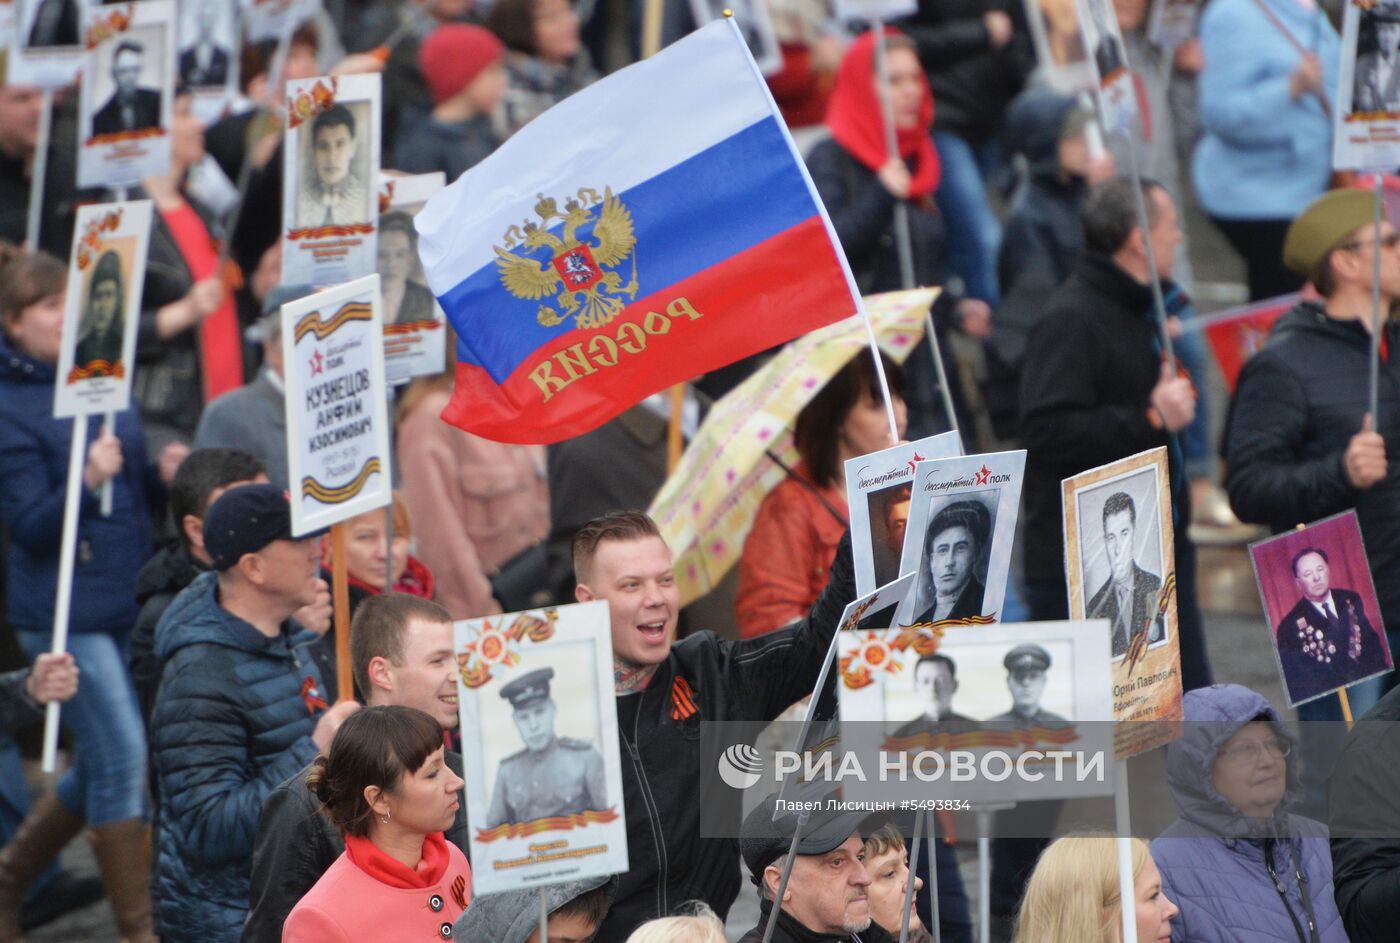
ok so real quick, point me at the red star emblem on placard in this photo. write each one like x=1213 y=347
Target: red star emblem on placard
x=982 y=475
x=915 y=460
x=318 y=363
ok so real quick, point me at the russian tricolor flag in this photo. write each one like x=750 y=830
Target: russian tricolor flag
x=652 y=227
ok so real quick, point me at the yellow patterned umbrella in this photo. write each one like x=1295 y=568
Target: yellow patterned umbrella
x=708 y=504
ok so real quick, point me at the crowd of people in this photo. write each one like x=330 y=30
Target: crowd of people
x=231 y=797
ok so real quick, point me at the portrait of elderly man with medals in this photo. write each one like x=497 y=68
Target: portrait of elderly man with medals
x=1325 y=641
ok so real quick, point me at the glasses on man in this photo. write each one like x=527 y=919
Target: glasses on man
x=1251 y=750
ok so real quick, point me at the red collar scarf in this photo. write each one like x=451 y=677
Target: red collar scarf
x=855 y=118
x=417 y=580
x=366 y=856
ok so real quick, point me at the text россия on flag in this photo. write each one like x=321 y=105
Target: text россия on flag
x=650 y=228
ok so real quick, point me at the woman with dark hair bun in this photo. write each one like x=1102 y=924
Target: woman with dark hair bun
x=385 y=785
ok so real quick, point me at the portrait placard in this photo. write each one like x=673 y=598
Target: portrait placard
x=267 y=19
x=868 y=11
x=1108 y=60
x=544 y=785
x=1366 y=135
x=878 y=489
x=1320 y=602
x=106 y=273
x=958 y=543
x=207 y=51
x=47 y=45
x=126 y=103
x=1173 y=22
x=415 y=328
x=1120 y=566
x=337 y=414
x=1059 y=45
x=1024 y=688
x=754 y=22
x=330 y=174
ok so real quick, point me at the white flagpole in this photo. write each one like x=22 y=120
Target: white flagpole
x=830 y=229
x=39 y=173
x=77 y=455
x=1127 y=889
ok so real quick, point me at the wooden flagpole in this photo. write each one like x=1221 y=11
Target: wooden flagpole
x=340 y=599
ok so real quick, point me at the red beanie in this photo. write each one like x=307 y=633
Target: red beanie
x=453 y=55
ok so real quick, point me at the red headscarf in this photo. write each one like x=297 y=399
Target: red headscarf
x=856 y=119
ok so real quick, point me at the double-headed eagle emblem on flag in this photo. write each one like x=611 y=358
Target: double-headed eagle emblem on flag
x=595 y=237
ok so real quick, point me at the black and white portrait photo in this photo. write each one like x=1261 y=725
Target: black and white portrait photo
x=754 y=22
x=49 y=24
x=102 y=329
x=407 y=299
x=336 y=187
x=1376 y=79
x=952 y=570
x=1120 y=541
x=1027 y=673
x=133 y=104
x=551 y=775
x=206 y=44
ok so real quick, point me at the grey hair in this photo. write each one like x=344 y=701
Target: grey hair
x=1110 y=213
x=779 y=862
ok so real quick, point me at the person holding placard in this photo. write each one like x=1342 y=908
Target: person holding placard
x=243 y=705
x=401 y=653
x=861 y=185
x=666 y=688
x=105 y=788
x=1234 y=775
x=1265 y=96
x=386 y=786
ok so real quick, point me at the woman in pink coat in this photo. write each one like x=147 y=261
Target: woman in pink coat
x=386 y=787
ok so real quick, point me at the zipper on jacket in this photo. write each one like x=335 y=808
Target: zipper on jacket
x=653 y=817
x=1311 y=935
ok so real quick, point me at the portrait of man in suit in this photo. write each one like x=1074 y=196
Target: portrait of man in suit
x=131 y=108
x=55 y=23
x=1128 y=598
x=954 y=544
x=1376 y=85
x=1325 y=641
x=203 y=58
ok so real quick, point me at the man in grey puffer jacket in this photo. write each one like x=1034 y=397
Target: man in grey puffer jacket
x=1240 y=867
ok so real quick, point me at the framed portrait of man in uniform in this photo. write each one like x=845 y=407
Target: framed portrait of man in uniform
x=540 y=748
x=1321 y=606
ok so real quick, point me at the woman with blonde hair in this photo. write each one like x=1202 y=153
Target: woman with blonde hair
x=696 y=924
x=1073 y=895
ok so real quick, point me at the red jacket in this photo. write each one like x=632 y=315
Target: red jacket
x=349 y=904
x=787 y=554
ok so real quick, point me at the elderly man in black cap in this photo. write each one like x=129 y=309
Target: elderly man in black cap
x=1025 y=679
x=553 y=775
x=826 y=898
x=953 y=546
x=242 y=707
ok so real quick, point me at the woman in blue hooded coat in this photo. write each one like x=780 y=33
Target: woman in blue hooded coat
x=1240 y=867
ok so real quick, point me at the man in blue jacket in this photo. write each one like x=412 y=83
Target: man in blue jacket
x=241 y=708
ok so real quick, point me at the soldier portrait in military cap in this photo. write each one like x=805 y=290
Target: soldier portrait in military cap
x=1026 y=668
x=553 y=775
